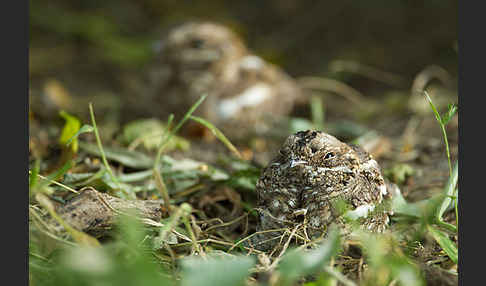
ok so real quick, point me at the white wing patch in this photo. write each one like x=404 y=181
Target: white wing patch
x=251 y=96
x=370 y=164
x=251 y=62
x=383 y=190
x=361 y=211
x=345 y=169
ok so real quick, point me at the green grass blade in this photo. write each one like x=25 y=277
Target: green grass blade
x=56 y=175
x=449 y=192
x=436 y=113
x=447 y=245
x=177 y=127
x=50 y=179
x=103 y=156
x=317 y=111
x=218 y=134
x=33 y=179
x=86 y=128
x=455 y=205
x=159 y=183
x=442 y=122
x=162 y=142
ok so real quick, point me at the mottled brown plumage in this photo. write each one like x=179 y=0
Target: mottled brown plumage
x=304 y=184
x=246 y=94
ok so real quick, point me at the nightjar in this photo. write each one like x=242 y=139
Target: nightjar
x=311 y=181
x=246 y=94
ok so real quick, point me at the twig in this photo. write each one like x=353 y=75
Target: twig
x=56 y=183
x=286 y=245
x=227 y=223
x=102 y=152
x=256 y=233
x=211 y=240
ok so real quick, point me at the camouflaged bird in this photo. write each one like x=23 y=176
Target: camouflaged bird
x=245 y=93
x=304 y=184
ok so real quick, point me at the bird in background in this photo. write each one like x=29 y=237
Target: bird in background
x=246 y=94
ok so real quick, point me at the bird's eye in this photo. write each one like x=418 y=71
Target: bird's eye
x=197 y=43
x=329 y=155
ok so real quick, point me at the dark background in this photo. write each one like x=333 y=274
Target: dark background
x=92 y=46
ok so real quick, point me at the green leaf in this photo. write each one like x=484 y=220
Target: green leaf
x=387 y=262
x=402 y=207
x=150 y=133
x=443 y=240
x=133 y=159
x=127 y=188
x=216 y=271
x=71 y=127
x=76 y=177
x=135 y=176
x=297 y=263
x=84 y=129
x=218 y=134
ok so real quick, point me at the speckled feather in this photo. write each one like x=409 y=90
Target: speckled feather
x=305 y=181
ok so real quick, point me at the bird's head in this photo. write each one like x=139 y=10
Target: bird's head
x=201 y=46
